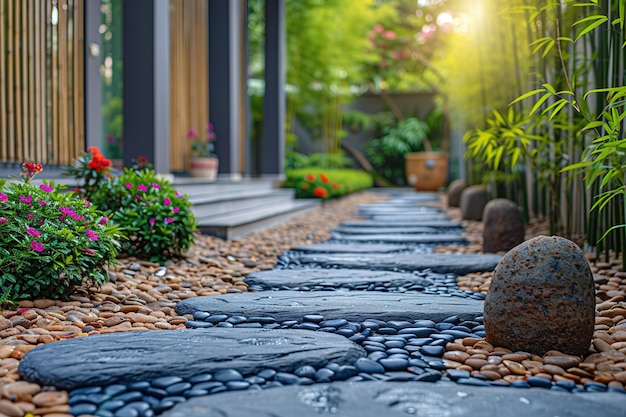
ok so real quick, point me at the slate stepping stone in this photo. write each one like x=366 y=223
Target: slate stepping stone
x=356 y=306
x=312 y=277
x=377 y=398
x=436 y=224
x=383 y=230
x=399 y=211
x=404 y=218
x=139 y=356
x=443 y=238
x=351 y=248
x=459 y=264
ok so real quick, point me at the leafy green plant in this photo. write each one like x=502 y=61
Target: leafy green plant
x=326 y=183
x=387 y=152
x=51 y=241
x=157 y=219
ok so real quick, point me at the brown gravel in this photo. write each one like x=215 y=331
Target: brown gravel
x=142 y=295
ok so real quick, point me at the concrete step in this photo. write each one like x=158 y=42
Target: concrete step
x=258 y=216
x=235 y=201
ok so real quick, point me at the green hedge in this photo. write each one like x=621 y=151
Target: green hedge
x=326 y=183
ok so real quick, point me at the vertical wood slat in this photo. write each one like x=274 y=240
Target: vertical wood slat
x=32 y=136
x=17 y=65
x=3 y=102
x=53 y=95
x=40 y=54
x=79 y=75
x=10 y=94
x=61 y=138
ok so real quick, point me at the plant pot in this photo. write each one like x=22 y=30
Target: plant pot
x=204 y=168
x=426 y=171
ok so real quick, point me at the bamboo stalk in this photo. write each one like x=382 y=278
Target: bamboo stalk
x=62 y=92
x=40 y=86
x=18 y=86
x=10 y=83
x=79 y=76
x=3 y=92
x=32 y=137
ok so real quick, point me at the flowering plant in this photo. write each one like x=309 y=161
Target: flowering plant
x=157 y=219
x=316 y=186
x=90 y=170
x=202 y=147
x=50 y=241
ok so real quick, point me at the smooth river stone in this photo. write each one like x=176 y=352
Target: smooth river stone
x=350 y=248
x=443 y=238
x=139 y=356
x=438 y=224
x=459 y=264
x=312 y=277
x=350 y=305
x=383 y=230
x=375 y=399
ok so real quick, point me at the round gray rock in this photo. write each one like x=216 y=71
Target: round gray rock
x=503 y=225
x=473 y=201
x=542 y=297
x=455 y=189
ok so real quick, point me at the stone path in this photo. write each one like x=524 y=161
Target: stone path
x=357 y=325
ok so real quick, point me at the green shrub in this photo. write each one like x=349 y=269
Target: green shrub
x=50 y=241
x=326 y=183
x=157 y=219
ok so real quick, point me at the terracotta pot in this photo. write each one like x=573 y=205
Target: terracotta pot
x=426 y=171
x=204 y=168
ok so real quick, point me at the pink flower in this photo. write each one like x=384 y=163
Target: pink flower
x=379 y=28
x=42 y=203
x=89 y=251
x=87 y=203
x=175 y=209
x=66 y=211
x=3 y=220
x=156 y=186
x=152 y=221
x=167 y=202
x=91 y=234
x=37 y=246
x=46 y=188
x=33 y=232
x=169 y=220
x=142 y=187
x=389 y=34
x=192 y=134
x=26 y=199
x=129 y=185
x=103 y=220
x=3 y=197
x=30 y=216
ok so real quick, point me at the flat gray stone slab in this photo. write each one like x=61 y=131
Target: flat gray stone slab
x=407 y=218
x=351 y=248
x=408 y=238
x=437 y=224
x=351 y=305
x=337 y=277
x=399 y=211
x=140 y=356
x=383 y=230
x=376 y=399
x=459 y=264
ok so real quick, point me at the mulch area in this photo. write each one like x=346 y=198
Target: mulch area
x=142 y=296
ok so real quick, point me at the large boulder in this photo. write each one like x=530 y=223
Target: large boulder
x=541 y=298
x=503 y=225
x=455 y=189
x=473 y=201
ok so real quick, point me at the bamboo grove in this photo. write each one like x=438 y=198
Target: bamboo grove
x=555 y=145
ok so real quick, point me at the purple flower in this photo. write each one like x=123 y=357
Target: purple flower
x=169 y=220
x=167 y=201
x=26 y=199
x=156 y=186
x=175 y=209
x=152 y=221
x=129 y=185
x=46 y=188
x=33 y=232
x=66 y=211
x=3 y=220
x=42 y=203
x=87 y=203
x=91 y=234
x=137 y=197
x=89 y=251
x=142 y=187
x=3 y=197
x=103 y=220
x=30 y=216
x=37 y=246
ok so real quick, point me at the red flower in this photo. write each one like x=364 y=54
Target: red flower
x=93 y=150
x=324 y=178
x=304 y=186
x=335 y=186
x=309 y=177
x=99 y=163
x=320 y=192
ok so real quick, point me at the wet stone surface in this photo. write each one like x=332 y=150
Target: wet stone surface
x=440 y=263
x=351 y=230
x=351 y=248
x=443 y=224
x=374 y=399
x=137 y=356
x=409 y=238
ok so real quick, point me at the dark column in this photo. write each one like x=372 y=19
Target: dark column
x=93 y=79
x=273 y=149
x=146 y=82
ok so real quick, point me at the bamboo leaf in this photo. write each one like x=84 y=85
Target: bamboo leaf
x=527 y=95
x=539 y=103
x=596 y=20
x=549 y=46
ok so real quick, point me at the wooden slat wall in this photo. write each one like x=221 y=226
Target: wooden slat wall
x=188 y=77
x=41 y=81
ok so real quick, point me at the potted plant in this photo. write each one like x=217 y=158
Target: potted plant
x=204 y=162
